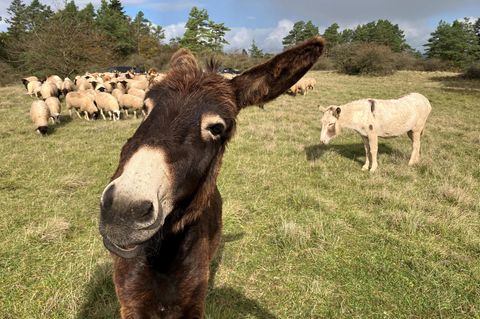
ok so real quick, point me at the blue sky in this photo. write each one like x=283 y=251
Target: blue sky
x=269 y=21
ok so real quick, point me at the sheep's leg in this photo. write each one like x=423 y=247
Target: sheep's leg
x=103 y=115
x=144 y=113
x=126 y=113
x=52 y=119
x=368 y=155
x=135 y=113
x=373 y=145
x=415 y=137
x=78 y=114
x=86 y=116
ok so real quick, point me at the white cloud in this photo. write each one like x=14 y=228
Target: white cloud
x=268 y=39
x=174 y=30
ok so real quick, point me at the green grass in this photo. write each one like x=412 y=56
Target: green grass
x=307 y=234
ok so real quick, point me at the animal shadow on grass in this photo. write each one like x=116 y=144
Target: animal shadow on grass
x=228 y=298
x=101 y=300
x=64 y=120
x=355 y=152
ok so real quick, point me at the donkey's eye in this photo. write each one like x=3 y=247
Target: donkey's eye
x=216 y=129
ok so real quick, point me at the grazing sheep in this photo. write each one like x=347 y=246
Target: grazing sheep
x=372 y=118
x=137 y=92
x=33 y=87
x=129 y=101
x=54 y=107
x=47 y=89
x=83 y=102
x=108 y=103
x=39 y=114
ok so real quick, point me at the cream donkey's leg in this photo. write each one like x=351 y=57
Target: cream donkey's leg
x=368 y=155
x=373 y=144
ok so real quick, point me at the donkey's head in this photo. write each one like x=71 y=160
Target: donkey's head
x=168 y=168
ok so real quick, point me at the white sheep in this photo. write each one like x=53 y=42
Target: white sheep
x=33 y=87
x=137 y=92
x=47 y=89
x=39 y=114
x=54 y=107
x=129 y=101
x=106 y=102
x=83 y=102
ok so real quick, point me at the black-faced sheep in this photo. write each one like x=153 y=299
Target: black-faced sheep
x=83 y=102
x=39 y=114
x=106 y=102
x=54 y=107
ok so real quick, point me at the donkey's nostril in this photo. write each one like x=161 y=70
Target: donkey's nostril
x=143 y=210
x=107 y=198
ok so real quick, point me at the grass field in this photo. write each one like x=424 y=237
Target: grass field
x=307 y=234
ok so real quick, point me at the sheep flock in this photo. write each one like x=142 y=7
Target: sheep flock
x=105 y=95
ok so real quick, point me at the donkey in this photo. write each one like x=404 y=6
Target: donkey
x=161 y=214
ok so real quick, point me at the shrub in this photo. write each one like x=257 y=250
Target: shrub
x=9 y=75
x=364 y=59
x=434 y=64
x=324 y=63
x=473 y=72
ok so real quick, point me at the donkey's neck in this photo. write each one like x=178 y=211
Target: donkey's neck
x=353 y=117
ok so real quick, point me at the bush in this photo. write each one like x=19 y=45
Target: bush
x=473 y=72
x=364 y=59
x=434 y=64
x=9 y=75
x=324 y=63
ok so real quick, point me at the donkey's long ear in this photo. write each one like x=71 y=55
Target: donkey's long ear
x=266 y=81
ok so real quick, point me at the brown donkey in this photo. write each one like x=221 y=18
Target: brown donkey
x=161 y=214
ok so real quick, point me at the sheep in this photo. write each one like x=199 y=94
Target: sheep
x=137 y=92
x=117 y=93
x=54 y=107
x=83 y=83
x=67 y=86
x=33 y=87
x=108 y=103
x=372 y=118
x=55 y=79
x=46 y=90
x=40 y=114
x=137 y=84
x=129 y=101
x=29 y=79
x=82 y=101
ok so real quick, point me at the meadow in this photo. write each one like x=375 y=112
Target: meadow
x=307 y=234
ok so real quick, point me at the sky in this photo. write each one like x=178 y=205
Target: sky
x=268 y=21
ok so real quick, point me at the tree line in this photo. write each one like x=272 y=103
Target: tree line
x=72 y=40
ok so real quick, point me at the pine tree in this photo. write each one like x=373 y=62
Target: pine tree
x=36 y=14
x=476 y=28
x=202 y=33
x=254 y=51
x=116 y=27
x=116 y=5
x=299 y=33
x=381 y=32
x=456 y=43
x=87 y=14
x=332 y=36
x=17 y=20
